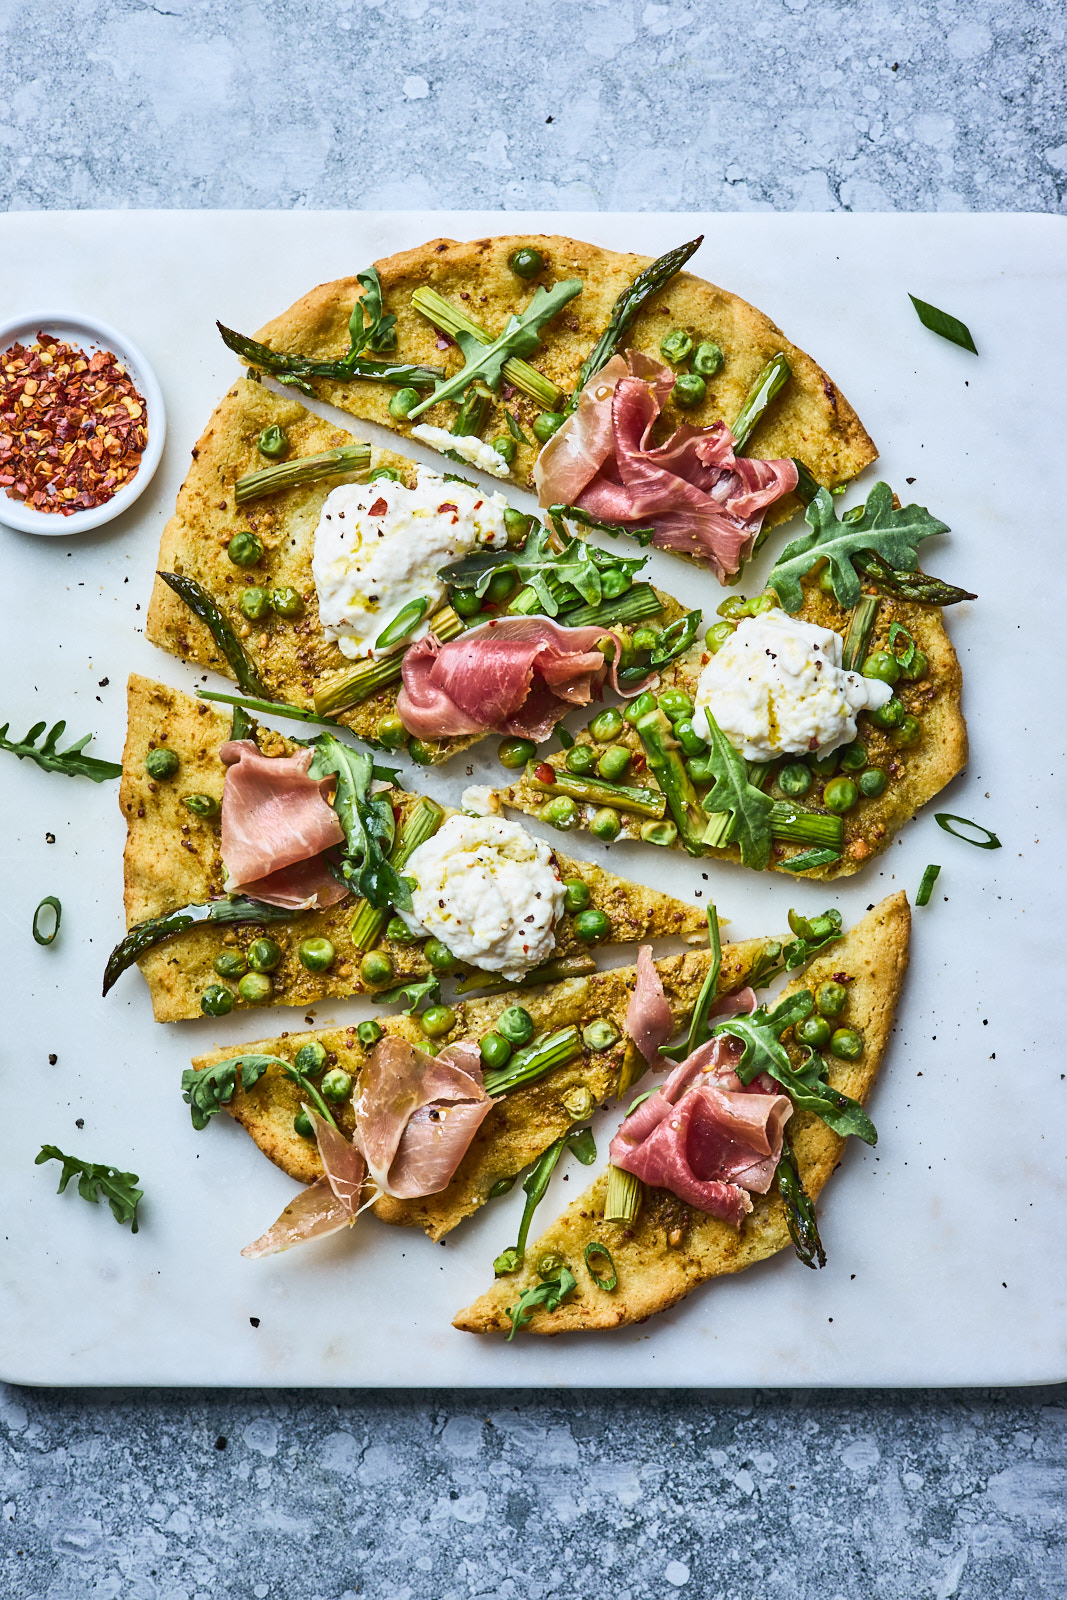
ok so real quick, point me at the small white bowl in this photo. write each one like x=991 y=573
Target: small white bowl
x=88 y=333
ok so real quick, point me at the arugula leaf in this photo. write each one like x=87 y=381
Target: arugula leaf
x=535 y=1186
x=547 y=1294
x=541 y=563
x=368 y=822
x=557 y=513
x=672 y=643
x=206 y=1092
x=71 y=761
x=945 y=324
x=145 y=935
x=520 y=337
x=764 y=1052
x=892 y=535
x=415 y=990
x=380 y=332
x=732 y=792
x=812 y=936
x=96 y=1179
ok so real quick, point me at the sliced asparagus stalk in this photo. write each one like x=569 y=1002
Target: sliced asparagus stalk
x=358 y=683
x=807 y=486
x=858 y=637
x=549 y=972
x=624 y=1195
x=635 y=605
x=448 y=319
x=771 y=381
x=544 y=1055
x=528 y=602
x=473 y=414
x=304 y=469
x=791 y=824
x=595 y=792
x=422 y=822
x=668 y=768
x=296 y=369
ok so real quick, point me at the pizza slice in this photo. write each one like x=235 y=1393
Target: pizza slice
x=734 y=1160
x=263 y=871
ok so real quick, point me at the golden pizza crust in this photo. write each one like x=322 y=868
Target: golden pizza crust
x=172 y=859
x=670 y=1248
x=521 y=1125
x=915 y=775
x=811 y=420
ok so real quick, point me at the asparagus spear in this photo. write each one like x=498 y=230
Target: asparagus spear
x=771 y=381
x=625 y=309
x=799 y=1210
x=915 y=586
x=550 y=972
x=276 y=708
x=595 y=792
x=668 y=768
x=858 y=637
x=639 y=602
x=304 y=469
x=296 y=369
x=202 y=605
x=144 y=936
x=518 y=373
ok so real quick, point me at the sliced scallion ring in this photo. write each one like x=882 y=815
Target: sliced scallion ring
x=608 y=1281
x=49 y=903
x=405 y=622
x=927 y=885
x=897 y=631
x=944 y=818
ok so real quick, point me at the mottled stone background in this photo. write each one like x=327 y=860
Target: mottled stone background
x=917 y=106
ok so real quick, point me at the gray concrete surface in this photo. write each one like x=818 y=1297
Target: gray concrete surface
x=433 y=1496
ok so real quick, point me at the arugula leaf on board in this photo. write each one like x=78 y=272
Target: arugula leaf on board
x=520 y=337
x=945 y=324
x=96 y=1179
x=731 y=792
x=206 y=1092
x=547 y=1295
x=894 y=535
x=72 y=761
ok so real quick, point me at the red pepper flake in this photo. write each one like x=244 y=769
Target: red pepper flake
x=379 y=508
x=448 y=506
x=72 y=425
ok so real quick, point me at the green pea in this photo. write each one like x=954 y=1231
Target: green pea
x=700 y=768
x=846 y=1044
x=389 y=473
x=689 y=738
x=264 y=955
x=201 y=805
x=465 y=603
x=517 y=526
x=495 y=1051
x=546 y=424
x=161 y=763
x=273 y=442
x=514 y=753
x=398 y=932
x=823 y=766
x=717 y=636
x=302 y=1125
x=840 y=795
x=707 y=359
x=438 y=955
x=826 y=581
x=613 y=763
x=255 y=987
x=516 y=1025
x=689 y=390
x=576 y=895
x=376 y=968
x=580 y=759
x=310 y=1059
x=614 y=582
x=645 y=640
x=889 y=716
x=853 y=757
x=505 y=446
x=884 y=666
x=676 y=704
x=872 y=782
x=244 y=549
x=606 y=725
x=795 y=779
x=501 y=584
x=831 y=998
x=391 y=732
x=337 y=1085
x=403 y=402
x=919 y=667
x=605 y=823
x=662 y=833
x=814 y=1031
x=561 y=812
x=368 y=1034
x=578 y=1103
x=287 y=602
x=216 y=1001
x=526 y=262
x=733 y=608
x=550 y=1265
x=436 y=1021
x=316 y=955
x=254 y=604
x=422 y=754
x=761 y=603
x=676 y=346
x=230 y=964
x=909 y=732
x=639 y=708
x=599 y=1034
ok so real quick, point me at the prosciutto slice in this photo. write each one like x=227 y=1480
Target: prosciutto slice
x=705 y=1136
x=700 y=497
x=276 y=822
x=515 y=675
x=325 y=1206
x=648 y=1016
x=417 y=1114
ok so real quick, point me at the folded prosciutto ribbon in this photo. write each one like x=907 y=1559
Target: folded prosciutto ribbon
x=704 y=1135
x=276 y=823
x=514 y=675
x=700 y=497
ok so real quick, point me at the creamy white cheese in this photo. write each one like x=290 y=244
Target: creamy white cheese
x=489 y=891
x=467 y=445
x=776 y=688
x=379 y=546
x=480 y=800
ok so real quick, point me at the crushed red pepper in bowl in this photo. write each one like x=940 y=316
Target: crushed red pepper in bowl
x=73 y=426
